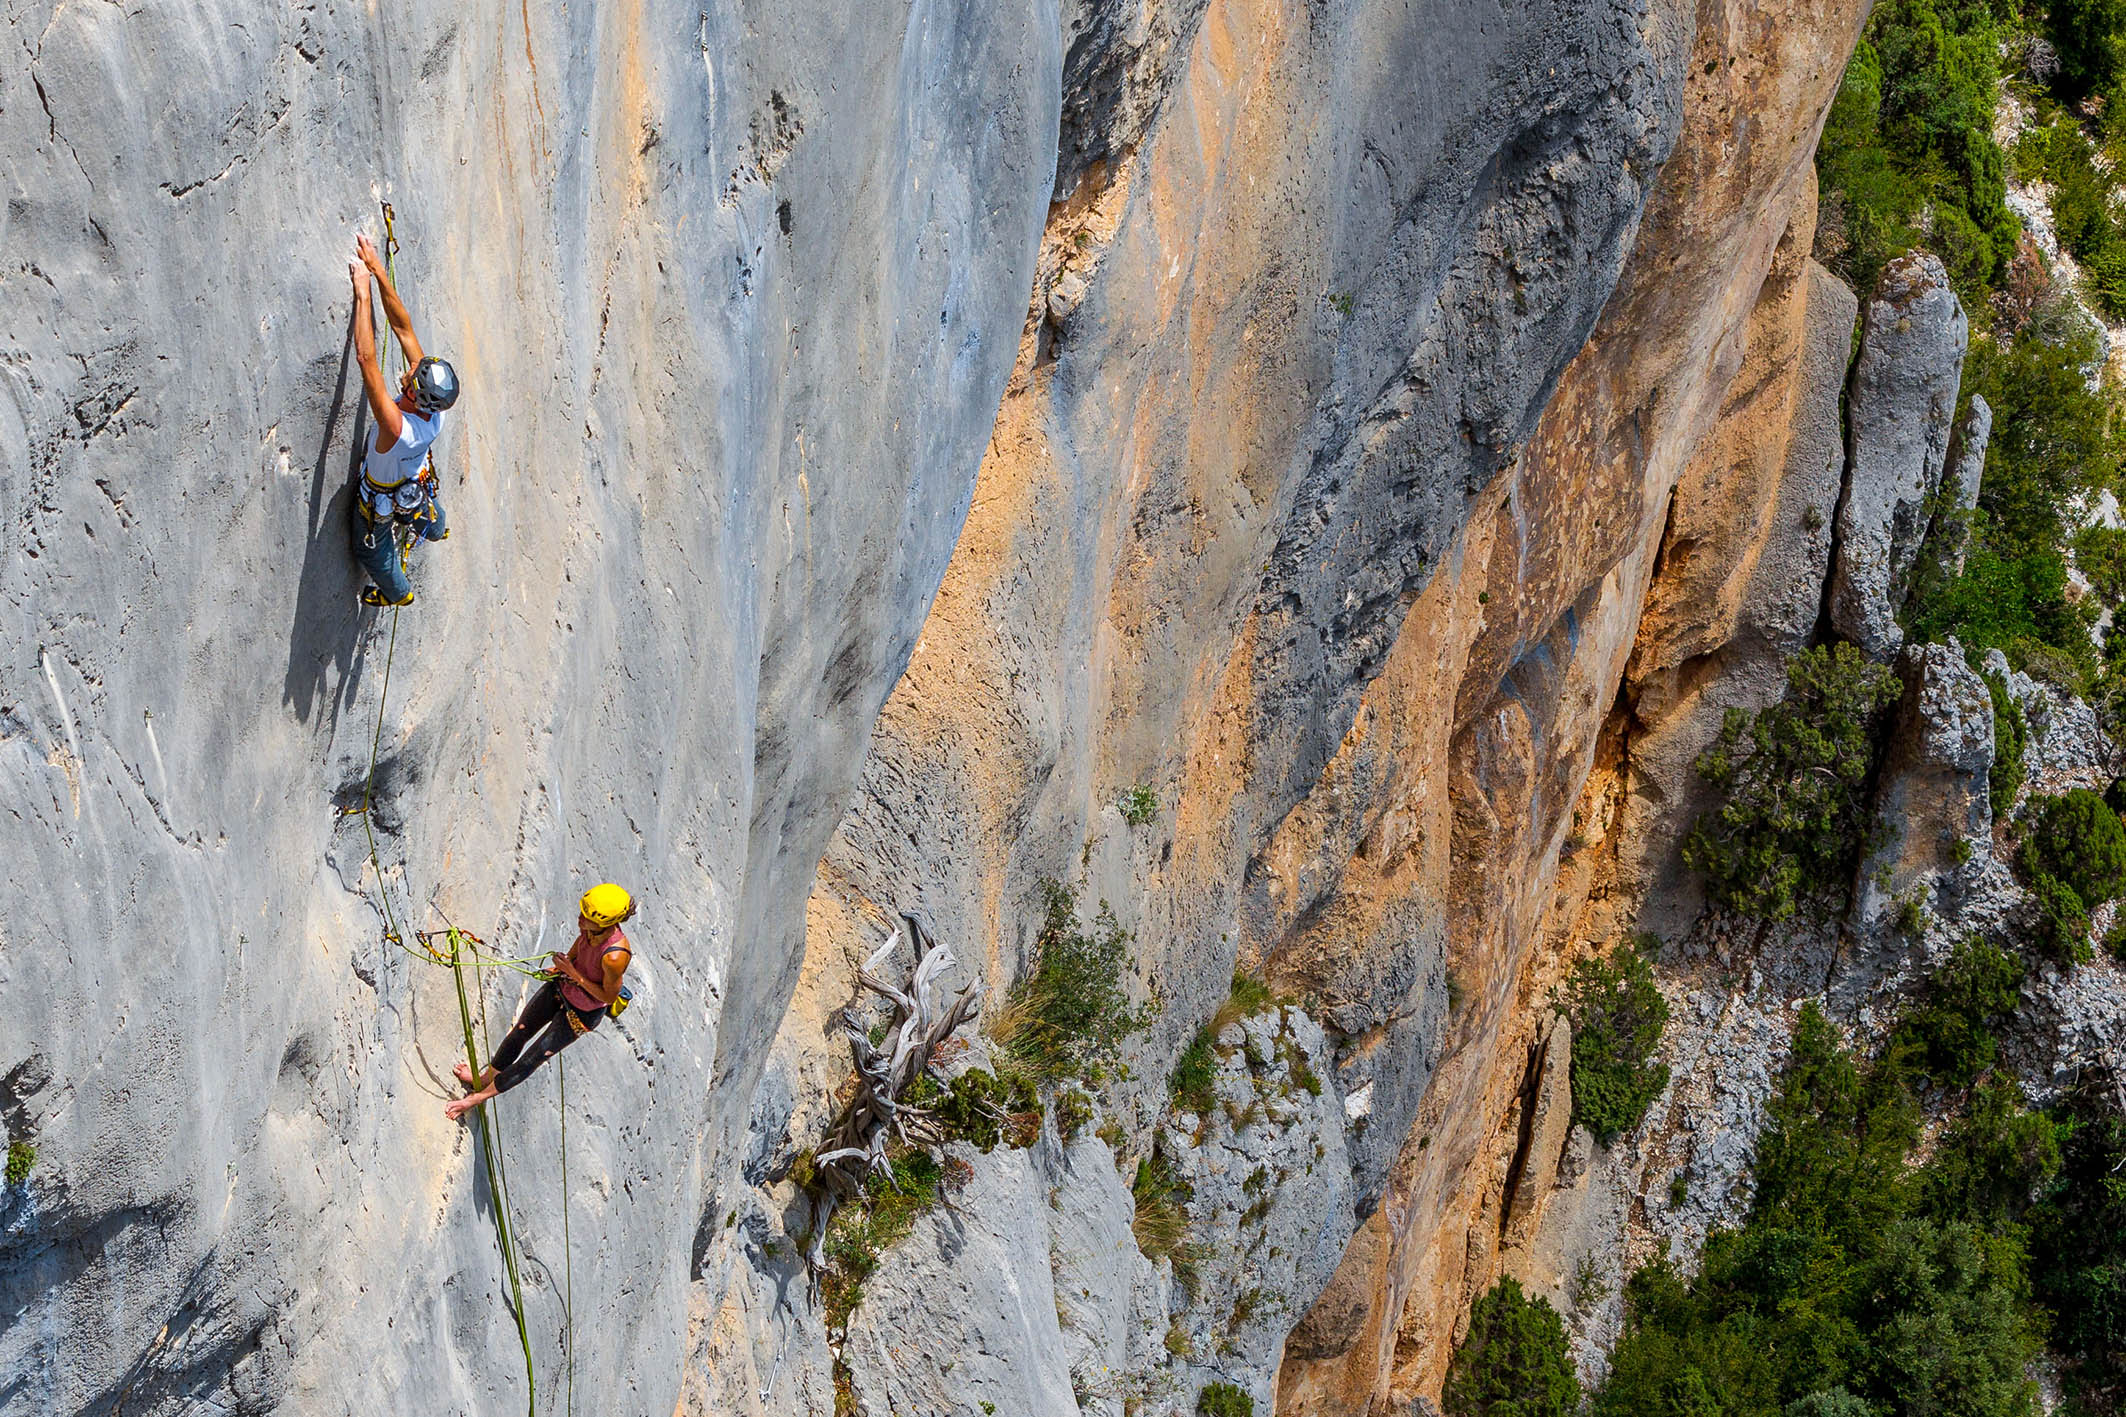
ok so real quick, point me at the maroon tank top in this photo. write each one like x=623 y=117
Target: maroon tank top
x=589 y=958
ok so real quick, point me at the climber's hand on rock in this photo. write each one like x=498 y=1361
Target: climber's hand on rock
x=366 y=249
x=360 y=278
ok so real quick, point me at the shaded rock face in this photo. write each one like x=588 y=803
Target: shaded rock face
x=674 y=252
x=1899 y=407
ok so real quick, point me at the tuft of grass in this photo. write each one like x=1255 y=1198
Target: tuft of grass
x=1224 y=1400
x=1066 y=1018
x=1160 y=1223
x=21 y=1156
x=1139 y=805
x=1074 y=1108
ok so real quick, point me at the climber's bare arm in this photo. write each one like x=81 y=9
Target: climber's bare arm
x=383 y=404
x=603 y=990
x=394 y=308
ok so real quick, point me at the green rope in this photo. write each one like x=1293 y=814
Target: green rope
x=497 y=1173
x=568 y=1252
x=461 y=945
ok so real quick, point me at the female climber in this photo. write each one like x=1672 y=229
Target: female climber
x=581 y=988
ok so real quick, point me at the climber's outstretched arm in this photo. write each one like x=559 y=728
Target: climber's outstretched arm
x=394 y=308
x=383 y=405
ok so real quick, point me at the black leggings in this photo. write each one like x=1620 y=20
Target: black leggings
x=546 y=1009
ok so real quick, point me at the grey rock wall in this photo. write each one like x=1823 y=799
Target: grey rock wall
x=1901 y=401
x=734 y=291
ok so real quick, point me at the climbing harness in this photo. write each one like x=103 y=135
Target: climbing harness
x=460 y=950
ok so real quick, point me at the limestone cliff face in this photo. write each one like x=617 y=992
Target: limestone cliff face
x=733 y=292
x=1382 y=411
x=1323 y=505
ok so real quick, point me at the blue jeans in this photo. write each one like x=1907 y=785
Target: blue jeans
x=378 y=552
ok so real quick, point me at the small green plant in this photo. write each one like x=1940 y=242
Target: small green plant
x=1065 y=1019
x=1514 y=1362
x=1196 y=1075
x=1794 y=777
x=1678 y=1189
x=1588 y=1285
x=1455 y=992
x=1224 y=1400
x=1949 y=1037
x=982 y=1109
x=1117 y=1140
x=2011 y=740
x=1911 y=916
x=989 y=1408
x=1812 y=518
x=1177 y=1339
x=2074 y=859
x=1617 y=1015
x=894 y=1196
x=21 y=1156
x=1343 y=302
x=1074 y=1108
x=1139 y=805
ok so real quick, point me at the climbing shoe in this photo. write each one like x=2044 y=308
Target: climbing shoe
x=372 y=596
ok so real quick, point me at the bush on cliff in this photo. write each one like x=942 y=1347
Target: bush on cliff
x=2073 y=859
x=1513 y=1363
x=1858 y=1283
x=1795 y=779
x=1948 y=1038
x=1617 y=1016
x=2078 y=1250
x=1067 y=1017
x=1907 y=156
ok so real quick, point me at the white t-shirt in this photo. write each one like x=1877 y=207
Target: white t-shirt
x=402 y=460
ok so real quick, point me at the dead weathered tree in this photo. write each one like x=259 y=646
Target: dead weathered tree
x=875 y=1116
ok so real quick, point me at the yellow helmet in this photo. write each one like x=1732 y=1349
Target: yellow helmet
x=606 y=906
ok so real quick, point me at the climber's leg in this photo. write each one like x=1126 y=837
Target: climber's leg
x=559 y=1034
x=540 y=1011
x=378 y=553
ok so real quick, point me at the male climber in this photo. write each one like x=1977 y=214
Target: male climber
x=398 y=486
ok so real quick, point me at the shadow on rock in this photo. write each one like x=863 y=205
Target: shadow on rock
x=327 y=616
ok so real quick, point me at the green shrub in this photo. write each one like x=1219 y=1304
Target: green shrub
x=982 y=1109
x=1617 y=1015
x=861 y=1231
x=1074 y=1108
x=1196 y=1070
x=1514 y=1362
x=1193 y=1085
x=1795 y=777
x=2072 y=859
x=2078 y=1250
x=1139 y=805
x=1994 y=1160
x=1224 y=1400
x=21 y=1156
x=1066 y=1018
x=1858 y=1283
x=2087 y=35
x=2077 y=838
x=1949 y=1037
x=2011 y=739
x=2054 y=443
x=1907 y=155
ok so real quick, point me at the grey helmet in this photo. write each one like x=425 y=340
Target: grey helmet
x=435 y=385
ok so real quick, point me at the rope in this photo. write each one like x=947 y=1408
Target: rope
x=464 y=952
x=568 y=1249
x=497 y=1173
